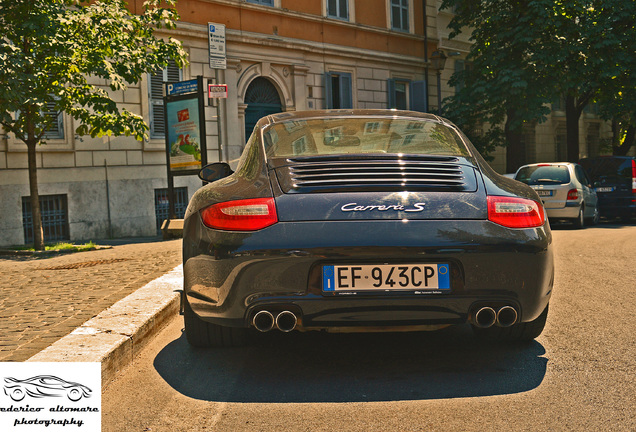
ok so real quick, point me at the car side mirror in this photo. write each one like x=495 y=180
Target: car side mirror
x=215 y=171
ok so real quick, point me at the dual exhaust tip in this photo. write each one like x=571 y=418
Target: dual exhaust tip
x=505 y=316
x=265 y=321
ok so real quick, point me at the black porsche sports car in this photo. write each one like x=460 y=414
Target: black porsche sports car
x=363 y=220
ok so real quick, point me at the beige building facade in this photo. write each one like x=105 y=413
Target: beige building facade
x=282 y=55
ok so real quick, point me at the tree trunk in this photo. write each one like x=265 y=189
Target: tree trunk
x=621 y=149
x=515 y=148
x=572 y=115
x=38 y=233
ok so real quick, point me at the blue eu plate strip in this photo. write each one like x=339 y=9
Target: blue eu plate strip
x=328 y=279
x=443 y=276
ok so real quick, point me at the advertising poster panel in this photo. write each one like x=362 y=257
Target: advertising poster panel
x=184 y=134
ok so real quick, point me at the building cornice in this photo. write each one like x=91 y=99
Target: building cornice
x=198 y=31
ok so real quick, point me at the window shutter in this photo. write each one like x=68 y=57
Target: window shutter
x=157 y=112
x=391 y=91
x=419 y=101
x=346 y=100
x=328 y=90
x=459 y=68
x=55 y=130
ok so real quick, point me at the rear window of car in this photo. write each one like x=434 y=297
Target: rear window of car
x=330 y=136
x=545 y=174
x=608 y=169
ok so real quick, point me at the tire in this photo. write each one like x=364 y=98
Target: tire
x=595 y=218
x=579 y=222
x=202 y=334
x=520 y=332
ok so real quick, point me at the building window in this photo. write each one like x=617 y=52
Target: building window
x=54 y=210
x=560 y=139
x=400 y=15
x=460 y=67
x=156 y=81
x=338 y=90
x=338 y=9
x=262 y=2
x=591 y=109
x=55 y=130
x=162 y=206
x=407 y=95
x=558 y=104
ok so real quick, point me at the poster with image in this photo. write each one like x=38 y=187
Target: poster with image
x=184 y=138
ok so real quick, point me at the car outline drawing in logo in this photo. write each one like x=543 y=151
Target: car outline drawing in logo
x=45 y=386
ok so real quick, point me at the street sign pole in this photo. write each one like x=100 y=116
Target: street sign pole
x=218 y=117
x=218 y=60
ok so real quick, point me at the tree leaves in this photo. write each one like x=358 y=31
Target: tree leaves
x=525 y=54
x=51 y=47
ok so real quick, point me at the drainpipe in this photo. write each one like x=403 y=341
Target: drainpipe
x=425 y=50
x=110 y=223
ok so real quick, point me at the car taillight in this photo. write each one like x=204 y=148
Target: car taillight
x=241 y=215
x=634 y=176
x=573 y=194
x=515 y=212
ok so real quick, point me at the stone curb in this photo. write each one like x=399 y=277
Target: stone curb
x=46 y=254
x=115 y=336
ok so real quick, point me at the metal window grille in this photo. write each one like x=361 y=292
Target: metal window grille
x=162 y=208
x=54 y=209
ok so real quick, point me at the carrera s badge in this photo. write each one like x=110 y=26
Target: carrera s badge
x=417 y=207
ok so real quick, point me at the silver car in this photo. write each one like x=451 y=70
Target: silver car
x=565 y=190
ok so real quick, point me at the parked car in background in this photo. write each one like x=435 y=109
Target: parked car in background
x=565 y=189
x=614 y=178
x=363 y=221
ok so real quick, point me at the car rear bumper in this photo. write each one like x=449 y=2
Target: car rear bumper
x=617 y=206
x=228 y=277
x=570 y=211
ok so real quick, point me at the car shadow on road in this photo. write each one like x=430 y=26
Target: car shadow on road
x=317 y=367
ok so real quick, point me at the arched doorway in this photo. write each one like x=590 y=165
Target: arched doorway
x=262 y=99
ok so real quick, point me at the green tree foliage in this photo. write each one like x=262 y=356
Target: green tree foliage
x=52 y=50
x=502 y=89
x=528 y=53
x=617 y=97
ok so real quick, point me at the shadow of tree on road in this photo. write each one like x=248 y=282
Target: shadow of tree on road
x=319 y=367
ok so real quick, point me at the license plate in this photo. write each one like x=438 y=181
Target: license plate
x=605 y=189
x=544 y=192
x=386 y=277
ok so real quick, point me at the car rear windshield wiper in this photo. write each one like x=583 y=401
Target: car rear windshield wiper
x=548 y=181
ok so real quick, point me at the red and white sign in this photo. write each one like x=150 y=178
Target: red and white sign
x=217 y=91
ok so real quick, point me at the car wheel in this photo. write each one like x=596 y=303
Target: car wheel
x=579 y=222
x=520 y=332
x=203 y=334
x=595 y=217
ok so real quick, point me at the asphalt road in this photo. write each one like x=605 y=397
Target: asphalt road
x=578 y=375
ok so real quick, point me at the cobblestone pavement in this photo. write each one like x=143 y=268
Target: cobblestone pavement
x=44 y=299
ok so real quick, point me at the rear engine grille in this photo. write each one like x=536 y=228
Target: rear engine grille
x=375 y=175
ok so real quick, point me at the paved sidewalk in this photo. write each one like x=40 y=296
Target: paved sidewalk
x=44 y=299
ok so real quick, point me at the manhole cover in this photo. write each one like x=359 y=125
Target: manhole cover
x=86 y=264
